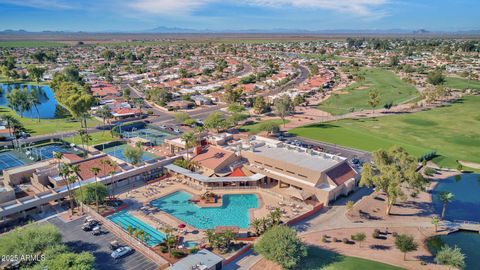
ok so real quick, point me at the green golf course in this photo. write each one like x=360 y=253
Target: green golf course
x=453 y=131
x=460 y=83
x=356 y=96
x=320 y=259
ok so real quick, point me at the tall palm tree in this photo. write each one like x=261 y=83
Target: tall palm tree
x=34 y=100
x=10 y=125
x=445 y=197
x=64 y=172
x=190 y=141
x=75 y=169
x=95 y=171
x=58 y=156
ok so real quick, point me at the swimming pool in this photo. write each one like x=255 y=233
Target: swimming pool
x=233 y=212
x=467 y=197
x=118 y=152
x=467 y=241
x=124 y=219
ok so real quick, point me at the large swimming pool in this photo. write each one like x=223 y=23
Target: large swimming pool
x=233 y=212
x=467 y=197
x=124 y=219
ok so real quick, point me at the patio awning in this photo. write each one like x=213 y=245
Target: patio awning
x=299 y=194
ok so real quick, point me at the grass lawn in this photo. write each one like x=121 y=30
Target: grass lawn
x=30 y=44
x=453 y=131
x=255 y=127
x=97 y=138
x=320 y=259
x=47 y=126
x=390 y=87
x=323 y=57
x=460 y=83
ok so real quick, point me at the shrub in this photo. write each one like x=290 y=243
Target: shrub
x=178 y=253
x=163 y=249
x=395 y=234
x=193 y=250
x=375 y=234
x=345 y=240
x=324 y=238
x=335 y=239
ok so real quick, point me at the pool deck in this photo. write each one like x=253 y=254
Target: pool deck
x=145 y=194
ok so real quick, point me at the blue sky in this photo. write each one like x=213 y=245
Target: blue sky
x=137 y=15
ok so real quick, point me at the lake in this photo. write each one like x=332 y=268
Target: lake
x=48 y=107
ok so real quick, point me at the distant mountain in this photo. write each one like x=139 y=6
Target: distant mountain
x=179 y=30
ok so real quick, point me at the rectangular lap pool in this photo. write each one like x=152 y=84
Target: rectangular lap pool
x=233 y=212
x=124 y=219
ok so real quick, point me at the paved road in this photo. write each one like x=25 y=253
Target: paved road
x=78 y=240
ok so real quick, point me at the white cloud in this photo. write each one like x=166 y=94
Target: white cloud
x=356 y=7
x=363 y=8
x=168 y=7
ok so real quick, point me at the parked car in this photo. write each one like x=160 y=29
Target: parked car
x=87 y=227
x=97 y=230
x=114 y=245
x=121 y=251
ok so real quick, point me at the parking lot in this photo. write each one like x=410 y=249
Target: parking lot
x=79 y=240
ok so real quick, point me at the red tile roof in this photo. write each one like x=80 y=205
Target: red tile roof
x=86 y=166
x=341 y=173
x=237 y=173
x=212 y=157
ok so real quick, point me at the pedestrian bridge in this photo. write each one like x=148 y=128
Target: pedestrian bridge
x=464 y=225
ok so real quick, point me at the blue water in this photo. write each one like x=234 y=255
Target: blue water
x=46 y=109
x=118 y=152
x=469 y=242
x=467 y=197
x=124 y=219
x=234 y=211
x=190 y=244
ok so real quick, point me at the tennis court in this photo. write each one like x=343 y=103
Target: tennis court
x=46 y=151
x=8 y=160
x=156 y=137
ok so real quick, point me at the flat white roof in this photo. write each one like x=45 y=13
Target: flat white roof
x=301 y=157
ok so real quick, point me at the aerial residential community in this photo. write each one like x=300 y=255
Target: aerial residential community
x=209 y=147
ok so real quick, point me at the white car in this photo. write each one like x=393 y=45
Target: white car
x=121 y=251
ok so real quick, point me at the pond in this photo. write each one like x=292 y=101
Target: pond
x=469 y=242
x=48 y=104
x=466 y=203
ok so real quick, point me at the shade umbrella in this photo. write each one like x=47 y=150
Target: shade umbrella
x=181 y=226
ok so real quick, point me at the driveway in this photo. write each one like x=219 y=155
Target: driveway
x=78 y=240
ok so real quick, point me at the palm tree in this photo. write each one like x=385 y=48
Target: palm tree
x=10 y=125
x=75 y=169
x=58 y=156
x=33 y=100
x=445 y=197
x=64 y=172
x=190 y=141
x=85 y=138
x=170 y=241
x=275 y=216
x=106 y=163
x=257 y=226
x=95 y=171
